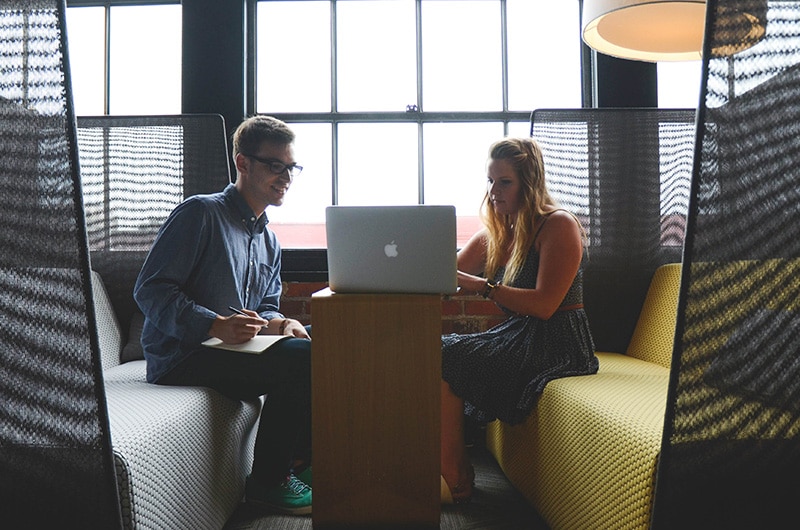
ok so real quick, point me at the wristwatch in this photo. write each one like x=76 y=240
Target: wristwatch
x=490 y=286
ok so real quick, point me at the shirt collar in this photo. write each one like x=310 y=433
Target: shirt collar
x=243 y=211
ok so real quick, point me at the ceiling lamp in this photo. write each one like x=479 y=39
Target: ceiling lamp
x=668 y=30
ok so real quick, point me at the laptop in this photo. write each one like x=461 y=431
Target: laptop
x=392 y=249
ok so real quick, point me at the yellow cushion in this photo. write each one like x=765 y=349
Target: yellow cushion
x=586 y=456
x=654 y=335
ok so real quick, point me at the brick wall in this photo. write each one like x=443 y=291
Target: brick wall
x=460 y=313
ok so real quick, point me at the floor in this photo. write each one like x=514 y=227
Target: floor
x=495 y=505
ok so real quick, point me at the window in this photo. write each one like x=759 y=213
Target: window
x=134 y=67
x=679 y=84
x=397 y=101
x=393 y=101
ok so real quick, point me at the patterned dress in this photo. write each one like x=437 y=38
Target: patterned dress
x=500 y=372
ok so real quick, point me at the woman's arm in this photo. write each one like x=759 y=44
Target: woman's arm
x=472 y=257
x=560 y=248
x=471 y=262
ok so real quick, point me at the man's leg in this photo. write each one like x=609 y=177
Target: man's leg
x=284 y=432
x=284 y=374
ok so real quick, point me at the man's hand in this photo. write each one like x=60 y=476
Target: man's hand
x=237 y=329
x=292 y=328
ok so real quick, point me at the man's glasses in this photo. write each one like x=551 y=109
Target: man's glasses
x=277 y=167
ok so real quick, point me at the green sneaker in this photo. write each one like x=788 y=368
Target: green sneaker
x=291 y=496
x=305 y=476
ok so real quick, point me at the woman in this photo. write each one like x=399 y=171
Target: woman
x=527 y=260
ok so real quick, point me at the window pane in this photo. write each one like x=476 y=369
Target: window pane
x=679 y=84
x=311 y=191
x=145 y=75
x=461 y=55
x=378 y=164
x=520 y=129
x=300 y=220
x=376 y=45
x=544 y=54
x=86 y=32
x=458 y=180
x=293 y=57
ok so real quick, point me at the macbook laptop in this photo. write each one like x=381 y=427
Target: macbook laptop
x=391 y=249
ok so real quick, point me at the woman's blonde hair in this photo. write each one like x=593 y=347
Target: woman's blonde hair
x=525 y=157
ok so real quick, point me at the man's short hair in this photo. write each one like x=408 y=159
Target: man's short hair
x=254 y=131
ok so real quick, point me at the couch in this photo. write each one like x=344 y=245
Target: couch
x=586 y=457
x=181 y=453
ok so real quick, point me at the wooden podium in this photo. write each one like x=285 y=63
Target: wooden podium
x=376 y=380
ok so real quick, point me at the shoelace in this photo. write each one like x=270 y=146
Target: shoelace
x=295 y=485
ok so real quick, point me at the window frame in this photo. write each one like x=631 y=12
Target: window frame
x=417 y=115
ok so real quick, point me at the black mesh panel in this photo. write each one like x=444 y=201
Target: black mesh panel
x=731 y=446
x=626 y=173
x=56 y=466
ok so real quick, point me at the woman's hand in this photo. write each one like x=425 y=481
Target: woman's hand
x=560 y=249
x=471 y=283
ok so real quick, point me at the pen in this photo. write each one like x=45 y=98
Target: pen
x=240 y=312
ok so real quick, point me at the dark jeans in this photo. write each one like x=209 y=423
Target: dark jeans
x=283 y=373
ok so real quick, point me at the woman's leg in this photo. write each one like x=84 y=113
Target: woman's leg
x=456 y=468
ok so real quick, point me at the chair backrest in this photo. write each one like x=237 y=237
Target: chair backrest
x=108 y=328
x=626 y=173
x=56 y=463
x=134 y=171
x=731 y=445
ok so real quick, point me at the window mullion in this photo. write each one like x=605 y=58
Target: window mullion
x=419 y=102
x=504 y=58
x=107 y=61
x=420 y=108
x=334 y=107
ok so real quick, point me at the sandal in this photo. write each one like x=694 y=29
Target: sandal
x=459 y=494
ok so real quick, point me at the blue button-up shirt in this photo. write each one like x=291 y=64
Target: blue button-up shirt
x=211 y=253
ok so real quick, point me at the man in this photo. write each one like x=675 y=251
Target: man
x=214 y=255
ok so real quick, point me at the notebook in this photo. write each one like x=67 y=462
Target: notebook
x=258 y=344
x=392 y=249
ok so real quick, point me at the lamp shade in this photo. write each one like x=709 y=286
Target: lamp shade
x=670 y=30
x=645 y=30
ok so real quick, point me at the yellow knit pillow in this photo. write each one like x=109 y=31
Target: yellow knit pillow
x=654 y=335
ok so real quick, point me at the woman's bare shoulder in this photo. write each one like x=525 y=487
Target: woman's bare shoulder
x=558 y=222
x=561 y=216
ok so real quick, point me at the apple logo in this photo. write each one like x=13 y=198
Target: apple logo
x=390 y=250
